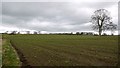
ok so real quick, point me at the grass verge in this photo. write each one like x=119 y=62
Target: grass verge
x=9 y=55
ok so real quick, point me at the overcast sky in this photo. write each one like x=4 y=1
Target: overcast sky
x=52 y=16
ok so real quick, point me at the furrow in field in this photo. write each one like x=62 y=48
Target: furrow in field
x=81 y=53
x=21 y=56
x=66 y=53
x=47 y=55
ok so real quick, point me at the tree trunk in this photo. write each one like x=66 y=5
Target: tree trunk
x=100 y=31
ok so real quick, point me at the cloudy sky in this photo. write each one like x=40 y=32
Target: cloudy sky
x=52 y=16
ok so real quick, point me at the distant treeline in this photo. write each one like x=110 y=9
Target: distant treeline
x=77 y=33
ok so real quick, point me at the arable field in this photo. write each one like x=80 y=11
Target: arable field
x=0 y=50
x=66 y=50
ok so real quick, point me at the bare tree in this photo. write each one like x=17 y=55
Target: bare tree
x=99 y=20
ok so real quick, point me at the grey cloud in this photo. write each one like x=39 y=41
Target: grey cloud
x=58 y=0
x=119 y=17
x=62 y=16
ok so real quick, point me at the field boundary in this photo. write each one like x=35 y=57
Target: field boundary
x=22 y=58
x=10 y=56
